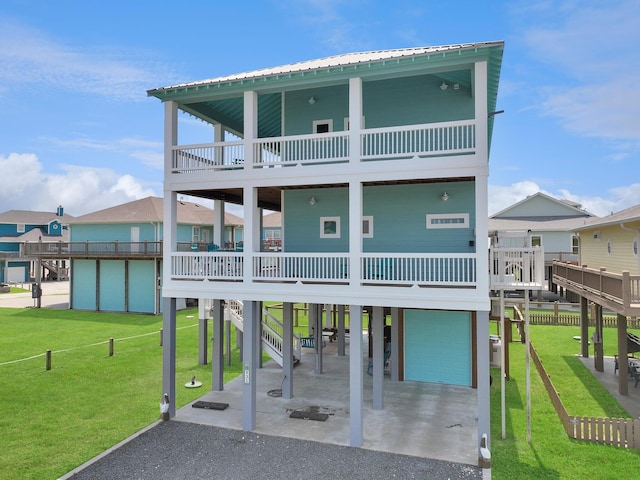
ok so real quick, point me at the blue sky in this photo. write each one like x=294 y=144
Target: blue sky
x=78 y=130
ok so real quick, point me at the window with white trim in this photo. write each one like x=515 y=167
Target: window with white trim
x=323 y=126
x=448 y=220
x=329 y=227
x=575 y=244
x=367 y=226
x=20 y=228
x=195 y=234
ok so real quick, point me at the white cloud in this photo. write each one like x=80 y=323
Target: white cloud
x=79 y=190
x=591 y=46
x=29 y=57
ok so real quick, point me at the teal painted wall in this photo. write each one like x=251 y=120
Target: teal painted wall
x=437 y=346
x=399 y=218
x=112 y=232
x=112 y=276
x=399 y=101
x=141 y=286
x=83 y=295
x=5 y=265
x=414 y=100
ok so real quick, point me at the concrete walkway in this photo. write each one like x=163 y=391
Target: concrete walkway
x=54 y=295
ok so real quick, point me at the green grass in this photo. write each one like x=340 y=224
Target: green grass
x=551 y=454
x=53 y=421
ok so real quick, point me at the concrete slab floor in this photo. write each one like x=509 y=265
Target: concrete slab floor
x=419 y=419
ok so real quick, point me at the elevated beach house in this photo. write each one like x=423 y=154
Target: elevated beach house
x=378 y=165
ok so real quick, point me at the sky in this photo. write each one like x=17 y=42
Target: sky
x=77 y=128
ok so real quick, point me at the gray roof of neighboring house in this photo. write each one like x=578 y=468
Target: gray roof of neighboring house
x=573 y=209
x=628 y=215
x=150 y=209
x=559 y=225
x=32 y=218
x=272 y=220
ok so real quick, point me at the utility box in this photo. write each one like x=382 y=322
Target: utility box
x=36 y=291
x=495 y=351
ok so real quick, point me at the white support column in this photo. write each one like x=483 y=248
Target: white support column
x=218 y=223
x=287 y=350
x=355 y=119
x=250 y=127
x=217 y=357
x=480 y=104
x=378 y=357
x=482 y=362
x=169 y=352
x=249 y=367
x=355 y=229
x=356 y=378
x=251 y=230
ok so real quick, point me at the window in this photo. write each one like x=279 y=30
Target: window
x=536 y=241
x=272 y=234
x=635 y=248
x=329 y=227
x=448 y=220
x=596 y=235
x=195 y=234
x=609 y=247
x=20 y=228
x=575 y=244
x=367 y=226
x=322 y=126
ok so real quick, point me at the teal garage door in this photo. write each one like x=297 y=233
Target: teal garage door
x=437 y=346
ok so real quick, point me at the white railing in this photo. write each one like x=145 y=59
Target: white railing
x=218 y=156
x=428 y=139
x=211 y=266
x=445 y=138
x=302 y=149
x=324 y=267
x=516 y=267
x=446 y=269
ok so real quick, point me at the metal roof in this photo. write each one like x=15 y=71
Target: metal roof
x=347 y=59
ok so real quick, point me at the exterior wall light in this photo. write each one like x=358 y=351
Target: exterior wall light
x=312 y=201
x=445 y=197
x=311 y=100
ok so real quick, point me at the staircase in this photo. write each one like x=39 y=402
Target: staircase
x=271 y=331
x=55 y=271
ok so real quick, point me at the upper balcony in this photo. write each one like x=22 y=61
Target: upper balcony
x=619 y=292
x=376 y=144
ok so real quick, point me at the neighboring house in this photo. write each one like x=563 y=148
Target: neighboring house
x=378 y=165
x=18 y=227
x=272 y=231
x=116 y=255
x=543 y=221
x=607 y=274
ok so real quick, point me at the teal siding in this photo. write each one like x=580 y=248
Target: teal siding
x=302 y=221
x=4 y=266
x=331 y=103
x=141 y=286
x=83 y=294
x=113 y=232
x=437 y=346
x=112 y=286
x=399 y=218
x=414 y=100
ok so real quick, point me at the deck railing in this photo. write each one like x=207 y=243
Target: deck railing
x=516 y=268
x=456 y=270
x=92 y=249
x=617 y=291
x=444 y=138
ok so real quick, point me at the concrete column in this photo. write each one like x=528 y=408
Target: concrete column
x=623 y=363
x=169 y=352
x=482 y=361
x=217 y=357
x=341 y=331
x=356 y=369
x=227 y=330
x=378 y=357
x=394 y=360
x=318 y=336
x=249 y=368
x=584 y=327
x=203 y=340
x=287 y=350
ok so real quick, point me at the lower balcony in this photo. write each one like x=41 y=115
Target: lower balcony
x=516 y=268
x=434 y=270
